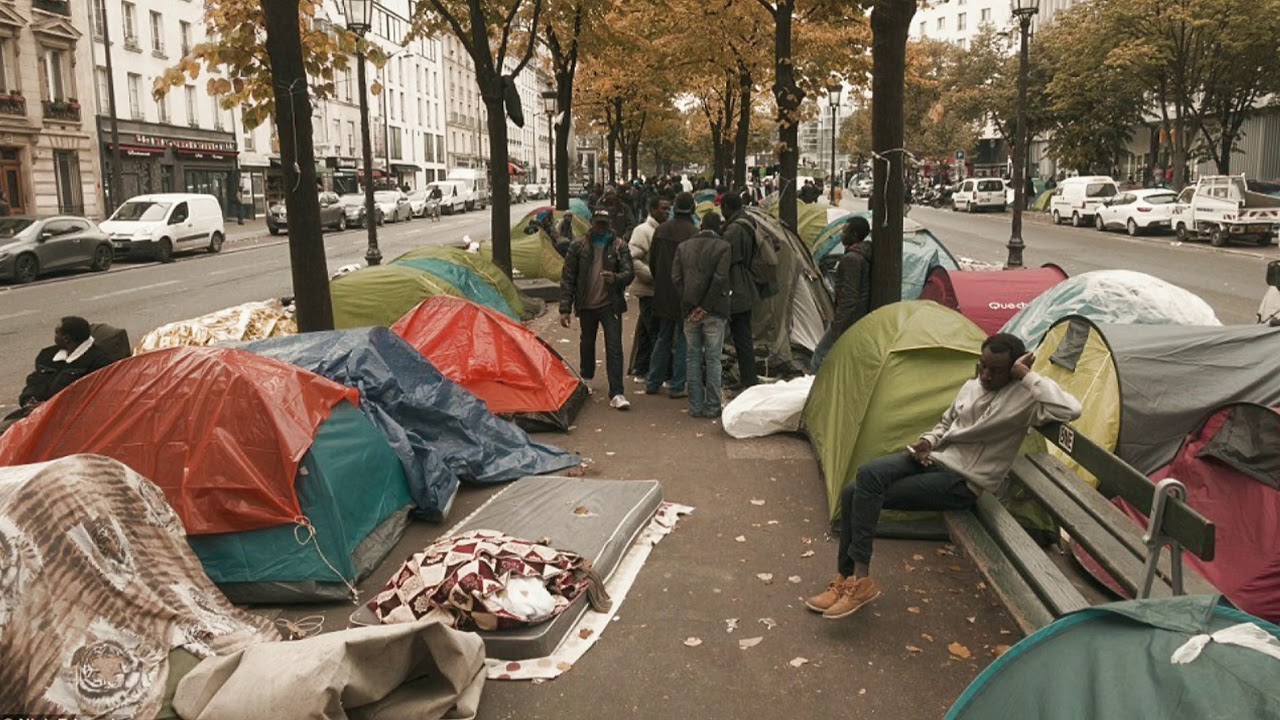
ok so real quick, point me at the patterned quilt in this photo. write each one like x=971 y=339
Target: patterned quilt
x=97 y=586
x=459 y=581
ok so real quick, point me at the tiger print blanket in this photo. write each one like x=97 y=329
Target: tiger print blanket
x=97 y=586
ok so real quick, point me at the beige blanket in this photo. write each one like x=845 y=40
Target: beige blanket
x=97 y=585
x=419 y=670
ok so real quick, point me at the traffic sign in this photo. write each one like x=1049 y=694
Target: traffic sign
x=960 y=155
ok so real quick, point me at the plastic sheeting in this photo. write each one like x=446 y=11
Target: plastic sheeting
x=473 y=287
x=250 y=321
x=379 y=295
x=500 y=361
x=442 y=434
x=221 y=431
x=1111 y=296
x=477 y=264
x=767 y=408
x=989 y=299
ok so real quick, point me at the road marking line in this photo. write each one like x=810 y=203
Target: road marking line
x=134 y=290
x=11 y=316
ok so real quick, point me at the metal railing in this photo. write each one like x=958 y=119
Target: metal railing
x=61 y=110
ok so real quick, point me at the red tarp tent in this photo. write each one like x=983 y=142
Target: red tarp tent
x=220 y=431
x=497 y=359
x=989 y=298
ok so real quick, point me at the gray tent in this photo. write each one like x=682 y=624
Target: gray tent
x=1145 y=387
x=788 y=325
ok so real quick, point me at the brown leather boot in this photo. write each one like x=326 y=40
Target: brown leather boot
x=854 y=593
x=820 y=603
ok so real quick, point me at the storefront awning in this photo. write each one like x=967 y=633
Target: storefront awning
x=404 y=167
x=135 y=150
x=376 y=173
x=514 y=168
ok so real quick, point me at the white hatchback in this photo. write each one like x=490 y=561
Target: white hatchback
x=979 y=194
x=1137 y=210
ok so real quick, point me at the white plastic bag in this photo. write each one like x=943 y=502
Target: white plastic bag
x=1245 y=635
x=766 y=409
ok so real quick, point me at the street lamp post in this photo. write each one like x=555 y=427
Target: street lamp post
x=549 y=103
x=359 y=17
x=833 y=99
x=1023 y=10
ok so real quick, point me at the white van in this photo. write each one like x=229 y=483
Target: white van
x=161 y=224
x=476 y=184
x=977 y=194
x=453 y=196
x=1077 y=198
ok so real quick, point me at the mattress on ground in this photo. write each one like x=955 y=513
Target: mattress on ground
x=598 y=519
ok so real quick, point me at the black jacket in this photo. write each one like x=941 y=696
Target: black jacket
x=577 y=265
x=853 y=287
x=701 y=274
x=742 y=251
x=51 y=376
x=662 y=256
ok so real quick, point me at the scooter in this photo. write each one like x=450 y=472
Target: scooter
x=1269 y=310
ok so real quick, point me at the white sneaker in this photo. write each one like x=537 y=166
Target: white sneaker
x=620 y=402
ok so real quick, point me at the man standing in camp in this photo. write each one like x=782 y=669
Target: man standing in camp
x=853 y=287
x=701 y=275
x=743 y=292
x=597 y=270
x=666 y=302
x=968 y=452
x=647 y=324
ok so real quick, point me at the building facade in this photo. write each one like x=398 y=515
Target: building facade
x=47 y=158
x=467 y=139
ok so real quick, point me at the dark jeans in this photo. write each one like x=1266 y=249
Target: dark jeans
x=668 y=360
x=591 y=320
x=893 y=482
x=646 y=333
x=744 y=348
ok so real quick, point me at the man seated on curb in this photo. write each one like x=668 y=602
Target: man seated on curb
x=969 y=451
x=71 y=356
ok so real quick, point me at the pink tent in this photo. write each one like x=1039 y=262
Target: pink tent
x=989 y=299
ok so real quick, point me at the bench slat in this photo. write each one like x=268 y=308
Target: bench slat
x=1023 y=604
x=1117 y=559
x=1050 y=584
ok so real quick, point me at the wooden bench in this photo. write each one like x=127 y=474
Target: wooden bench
x=1033 y=589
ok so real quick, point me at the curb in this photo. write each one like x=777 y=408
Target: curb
x=1040 y=218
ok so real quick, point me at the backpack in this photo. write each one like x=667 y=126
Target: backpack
x=764 y=262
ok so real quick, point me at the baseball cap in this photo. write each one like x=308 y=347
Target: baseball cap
x=601 y=216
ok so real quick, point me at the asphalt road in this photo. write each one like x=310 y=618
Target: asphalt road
x=141 y=296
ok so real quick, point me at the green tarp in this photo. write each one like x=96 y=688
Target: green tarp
x=491 y=273
x=379 y=295
x=472 y=285
x=888 y=379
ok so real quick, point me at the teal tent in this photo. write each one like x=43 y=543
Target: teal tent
x=921 y=252
x=473 y=287
x=579 y=208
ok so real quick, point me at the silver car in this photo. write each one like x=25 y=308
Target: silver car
x=394 y=205
x=31 y=246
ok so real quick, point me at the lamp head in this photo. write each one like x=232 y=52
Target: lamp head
x=359 y=15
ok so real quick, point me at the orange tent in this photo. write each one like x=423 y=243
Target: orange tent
x=497 y=359
x=220 y=431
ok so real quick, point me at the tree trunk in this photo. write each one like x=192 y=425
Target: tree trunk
x=564 y=92
x=890 y=24
x=744 y=130
x=1180 y=153
x=717 y=153
x=788 y=97
x=302 y=201
x=613 y=161
x=491 y=91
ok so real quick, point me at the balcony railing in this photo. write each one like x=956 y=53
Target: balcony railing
x=61 y=110
x=59 y=7
x=13 y=104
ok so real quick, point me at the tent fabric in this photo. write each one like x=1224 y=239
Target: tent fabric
x=788 y=326
x=533 y=252
x=1110 y=296
x=887 y=380
x=1114 y=661
x=921 y=252
x=491 y=273
x=767 y=408
x=442 y=434
x=580 y=211
x=705 y=208
x=380 y=294
x=577 y=206
x=811 y=218
x=221 y=431
x=354 y=506
x=702 y=196
x=989 y=299
x=473 y=287
x=97 y=588
x=1145 y=387
x=500 y=361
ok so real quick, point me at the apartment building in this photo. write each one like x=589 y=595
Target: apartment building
x=47 y=158
x=467 y=139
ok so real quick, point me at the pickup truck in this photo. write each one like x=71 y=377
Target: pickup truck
x=1221 y=208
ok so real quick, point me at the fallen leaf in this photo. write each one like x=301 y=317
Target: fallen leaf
x=927 y=637
x=755 y=501
x=740 y=538
x=956 y=568
x=748 y=643
x=692 y=642
x=917 y=557
x=806 y=540
x=768 y=623
x=610 y=452
x=698 y=434
x=959 y=651
x=908 y=568
x=972 y=620
x=794 y=579
x=581 y=510
x=772 y=522
x=1006 y=632
x=766 y=578
x=731 y=624
x=806 y=554
x=585 y=633
x=999 y=650
x=563 y=666
x=797 y=662
x=914 y=649
x=863 y=691
x=945 y=551
x=982 y=586
x=913 y=610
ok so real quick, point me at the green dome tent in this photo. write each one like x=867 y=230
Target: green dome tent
x=473 y=287
x=810 y=217
x=533 y=252
x=491 y=273
x=705 y=208
x=888 y=379
x=379 y=295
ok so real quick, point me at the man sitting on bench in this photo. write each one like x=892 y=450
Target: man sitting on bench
x=969 y=451
x=72 y=355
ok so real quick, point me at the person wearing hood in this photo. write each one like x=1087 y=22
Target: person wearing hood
x=647 y=324
x=853 y=287
x=597 y=270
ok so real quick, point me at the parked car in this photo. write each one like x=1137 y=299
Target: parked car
x=977 y=194
x=1136 y=211
x=32 y=246
x=394 y=205
x=352 y=205
x=161 y=224
x=332 y=214
x=1078 y=198
x=453 y=200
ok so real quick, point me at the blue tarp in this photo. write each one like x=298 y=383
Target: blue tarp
x=579 y=208
x=476 y=288
x=442 y=434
